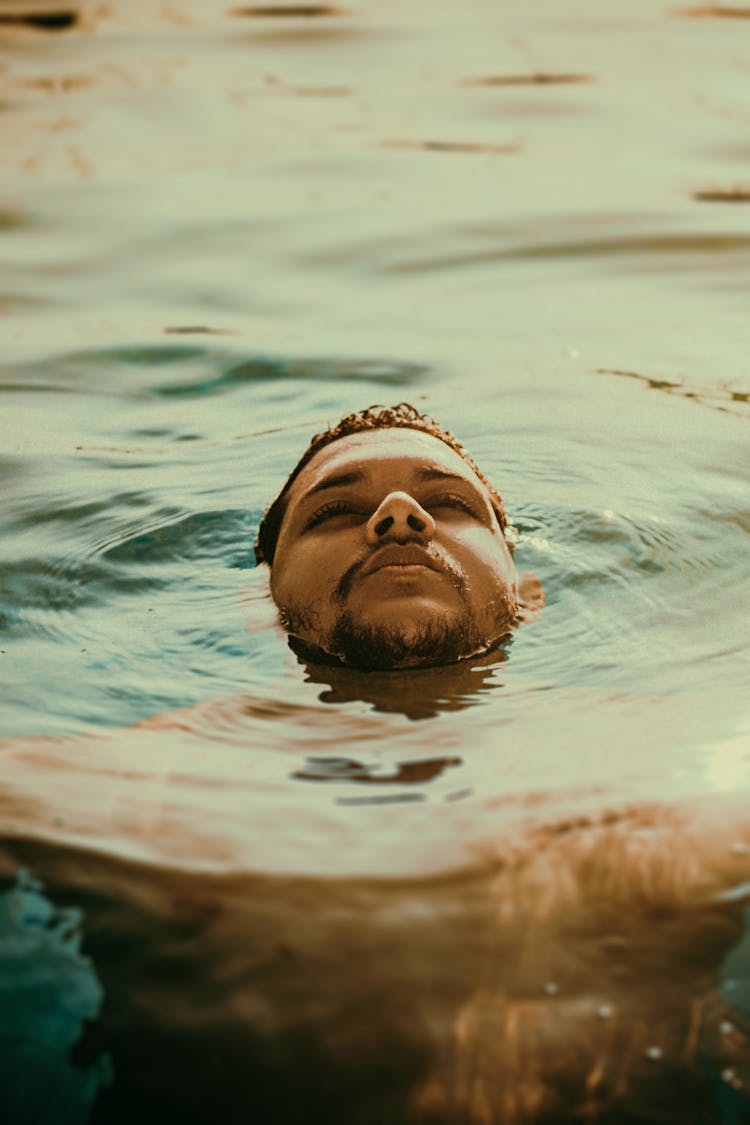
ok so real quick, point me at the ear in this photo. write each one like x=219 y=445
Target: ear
x=531 y=597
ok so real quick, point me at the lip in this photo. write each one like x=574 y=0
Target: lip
x=396 y=556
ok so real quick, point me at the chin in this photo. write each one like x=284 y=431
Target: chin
x=409 y=616
x=405 y=609
x=386 y=642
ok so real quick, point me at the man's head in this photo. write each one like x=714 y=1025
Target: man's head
x=387 y=545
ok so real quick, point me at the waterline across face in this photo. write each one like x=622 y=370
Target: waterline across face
x=390 y=555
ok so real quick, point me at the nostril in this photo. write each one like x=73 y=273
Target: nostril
x=415 y=523
x=383 y=526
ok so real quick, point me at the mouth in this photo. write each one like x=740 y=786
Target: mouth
x=410 y=562
x=396 y=557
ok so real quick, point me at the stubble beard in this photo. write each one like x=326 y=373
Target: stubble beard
x=439 y=639
x=434 y=639
x=428 y=639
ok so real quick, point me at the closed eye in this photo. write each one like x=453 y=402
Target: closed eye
x=331 y=510
x=453 y=502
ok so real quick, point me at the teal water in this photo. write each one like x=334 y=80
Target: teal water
x=220 y=230
x=128 y=554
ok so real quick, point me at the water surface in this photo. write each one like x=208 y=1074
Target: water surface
x=511 y=890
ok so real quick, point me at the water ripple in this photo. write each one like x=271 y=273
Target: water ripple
x=287 y=11
x=725 y=399
x=538 y=78
x=664 y=247
x=202 y=371
x=61 y=19
x=226 y=535
x=261 y=369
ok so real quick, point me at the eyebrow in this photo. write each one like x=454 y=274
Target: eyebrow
x=357 y=476
x=428 y=474
x=340 y=480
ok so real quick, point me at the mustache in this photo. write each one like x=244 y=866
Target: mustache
x=439 y=560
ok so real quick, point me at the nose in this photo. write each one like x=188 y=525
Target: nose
x=401 y=518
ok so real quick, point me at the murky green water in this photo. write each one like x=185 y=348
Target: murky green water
x=501 y=892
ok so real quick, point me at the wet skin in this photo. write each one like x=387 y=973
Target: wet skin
x=394 y=529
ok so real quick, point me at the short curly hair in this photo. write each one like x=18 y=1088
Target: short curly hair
x=402 y=416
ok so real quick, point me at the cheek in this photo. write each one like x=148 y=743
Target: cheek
x=486 y=563
x=304 y=578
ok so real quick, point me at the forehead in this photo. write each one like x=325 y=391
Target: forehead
x=375 y=451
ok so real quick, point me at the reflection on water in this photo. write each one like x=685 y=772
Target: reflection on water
x=510 y=890
x=719 y=12
x=529 y=80
x=715 y=397
x=288 y=11
x=424 y=694
x=46 y=20
x=452 y=146
x=723 y=195
x=663 y=251
x=342 y=769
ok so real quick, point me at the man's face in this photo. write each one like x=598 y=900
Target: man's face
x=390 y=555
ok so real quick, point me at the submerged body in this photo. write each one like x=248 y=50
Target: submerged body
x=578 y=968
